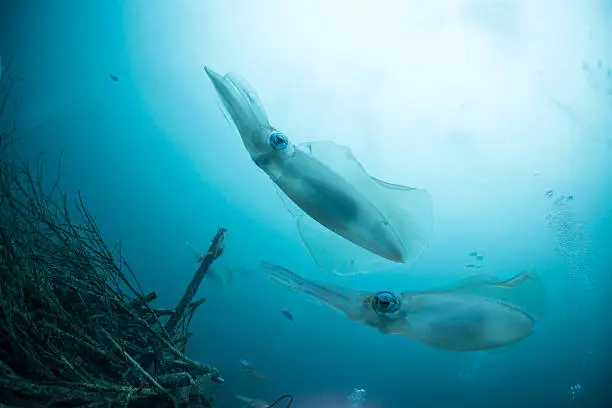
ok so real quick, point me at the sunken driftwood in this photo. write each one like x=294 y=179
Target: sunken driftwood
x=76 y=330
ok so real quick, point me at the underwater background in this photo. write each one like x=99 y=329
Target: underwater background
x=501 y=109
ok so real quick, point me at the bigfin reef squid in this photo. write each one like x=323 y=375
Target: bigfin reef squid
x=351 y=222
x=477 y=313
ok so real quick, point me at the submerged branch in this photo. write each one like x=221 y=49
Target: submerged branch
x=215 y=251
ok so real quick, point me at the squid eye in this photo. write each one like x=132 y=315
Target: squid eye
x=385 y=303
x=278 y=141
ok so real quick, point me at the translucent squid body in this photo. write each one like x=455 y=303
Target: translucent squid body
x=380 y=223
x=252 y=403
x=477 y=313
x=253 y=372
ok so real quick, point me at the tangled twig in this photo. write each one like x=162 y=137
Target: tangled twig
x=76 y=329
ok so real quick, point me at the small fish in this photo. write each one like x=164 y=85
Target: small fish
x=473 y=266
x=480 y=257
x=287 y=314
x=220 y=274
x=566 y=110
x=474 y=253
x=549 y=193
x=216 y=378
x=114 y=78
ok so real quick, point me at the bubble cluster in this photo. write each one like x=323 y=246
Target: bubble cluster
x=357 y=397
x=571 y=239
x=574 y=390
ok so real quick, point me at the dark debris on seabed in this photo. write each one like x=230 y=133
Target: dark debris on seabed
x=76 y=329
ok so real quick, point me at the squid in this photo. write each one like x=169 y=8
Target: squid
x=219 y=274
x=476 y=313
x=252 y=403
x=253 y=372
x=349 y=221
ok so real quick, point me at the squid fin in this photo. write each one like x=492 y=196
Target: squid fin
x=408 y=210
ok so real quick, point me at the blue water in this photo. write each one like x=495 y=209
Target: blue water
x=486 y=104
